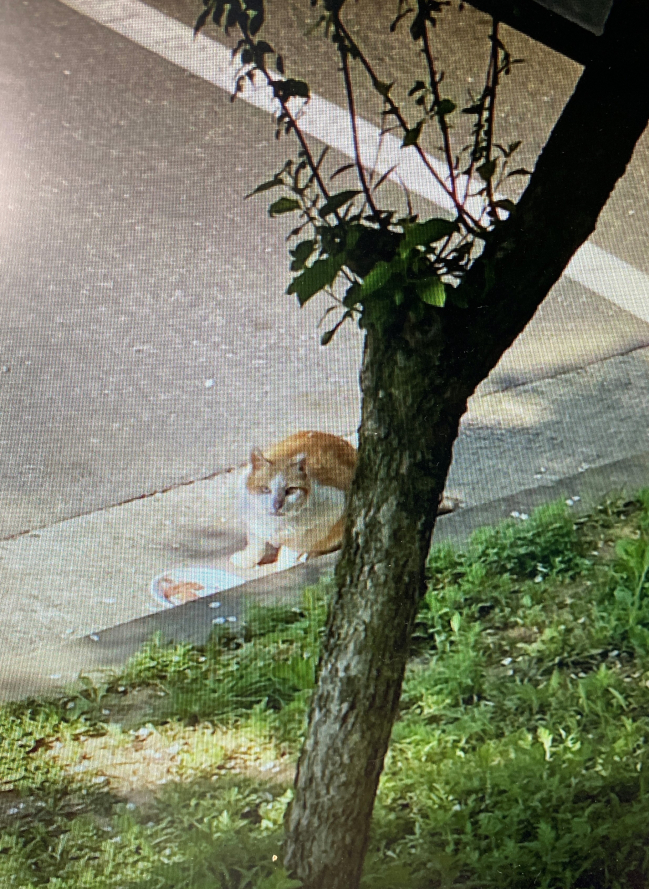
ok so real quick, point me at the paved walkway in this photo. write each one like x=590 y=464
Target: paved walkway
x=59 y=663
x=93 y=571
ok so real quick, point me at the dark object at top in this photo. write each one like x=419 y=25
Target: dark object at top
x=590 y=14
x=570 y=27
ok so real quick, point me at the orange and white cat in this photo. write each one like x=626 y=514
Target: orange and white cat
x=293 y=498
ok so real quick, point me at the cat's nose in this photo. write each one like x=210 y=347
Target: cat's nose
x=277 y=504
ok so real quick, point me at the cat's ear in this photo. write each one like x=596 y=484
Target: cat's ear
x=299 y=462
x=257 y=459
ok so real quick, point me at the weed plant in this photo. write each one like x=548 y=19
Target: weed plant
x=519 y=759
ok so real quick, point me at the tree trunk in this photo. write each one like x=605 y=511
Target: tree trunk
x=410 y=421
x=415 y=382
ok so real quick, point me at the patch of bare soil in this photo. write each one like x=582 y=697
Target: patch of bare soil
x=135 y=764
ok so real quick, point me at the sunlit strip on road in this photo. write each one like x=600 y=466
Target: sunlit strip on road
x=592 y=267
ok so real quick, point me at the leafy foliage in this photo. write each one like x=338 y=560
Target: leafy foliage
x=377 y=266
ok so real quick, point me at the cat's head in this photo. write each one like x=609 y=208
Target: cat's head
x=282 y=486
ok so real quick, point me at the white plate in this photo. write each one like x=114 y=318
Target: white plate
x=186 y=584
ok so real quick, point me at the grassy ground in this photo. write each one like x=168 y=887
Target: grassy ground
x=519 y=759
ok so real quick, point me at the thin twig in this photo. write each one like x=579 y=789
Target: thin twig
x=344 y=56
x=443 y=125
x=491 y=110
x=479 y=125
x=467 y=219
x=299 y=134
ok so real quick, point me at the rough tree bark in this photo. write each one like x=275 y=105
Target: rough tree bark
x=416 y=380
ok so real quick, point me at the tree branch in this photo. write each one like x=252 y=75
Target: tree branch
x=344 y=56
x=467 y=219
x=491 y=103
x=443 y=125
x=587 y=152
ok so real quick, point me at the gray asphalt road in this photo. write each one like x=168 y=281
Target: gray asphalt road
x=144 y=332
x=145 y=338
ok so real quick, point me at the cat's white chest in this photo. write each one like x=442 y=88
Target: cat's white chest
x=299 y=530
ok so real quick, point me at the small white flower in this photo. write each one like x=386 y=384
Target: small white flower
x=143 y=732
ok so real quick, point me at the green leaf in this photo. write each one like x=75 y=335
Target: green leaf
x=383 y=89
x=446 y=106
x=352 y=295
x=456 y=296
x=416 y=87
x=200 y=21
x=265 y=186
x=485 y=171
x=336 y=201
x=424 y=233
x=284 y=89
x=376 y=278
x=418 y=26
x=393 y=26
x=300 y=254
x=256 y=22
x=342 y=169
x=432 y=292
x=283 y=205
x=315 y=278
x=377 y=312
x=327 y=337
x=412 y=136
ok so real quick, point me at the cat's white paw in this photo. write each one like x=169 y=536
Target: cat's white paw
x=287 y=558
x=245 y=559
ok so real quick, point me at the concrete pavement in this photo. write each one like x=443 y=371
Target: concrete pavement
x=93 y=571
x=57 y=665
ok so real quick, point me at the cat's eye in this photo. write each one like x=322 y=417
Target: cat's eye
x=265 y=490
x=290 y=491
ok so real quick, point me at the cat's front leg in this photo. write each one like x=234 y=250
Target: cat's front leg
x=288 y=558
x=253 y=555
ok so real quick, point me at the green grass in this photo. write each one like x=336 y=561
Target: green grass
x=519 y=758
